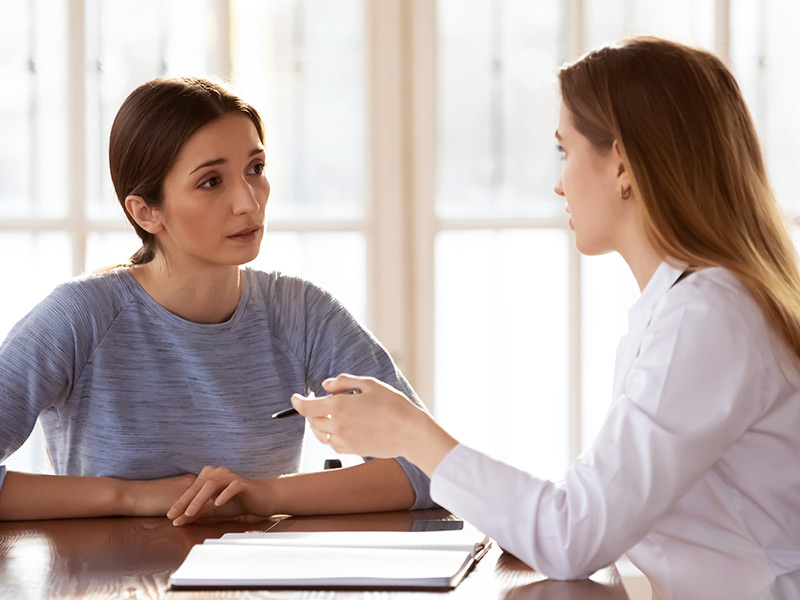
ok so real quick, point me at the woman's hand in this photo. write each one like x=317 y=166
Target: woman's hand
x=218 y=492
x=379 y=421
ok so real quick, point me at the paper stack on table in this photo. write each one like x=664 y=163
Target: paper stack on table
x=332 y=560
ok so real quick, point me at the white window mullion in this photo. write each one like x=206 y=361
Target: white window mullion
x=422 y=105
x=573 y=28
x=34 y=118
x=722 y=30
x=220 y=53
x=76 y=101
x=389 y=277
x=574 y=345
x=574 y=33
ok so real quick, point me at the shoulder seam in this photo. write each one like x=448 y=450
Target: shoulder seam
x=279 y=340
x=123 y=305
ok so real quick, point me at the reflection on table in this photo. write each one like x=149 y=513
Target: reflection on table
x=132 y=558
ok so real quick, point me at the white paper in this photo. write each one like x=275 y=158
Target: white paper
x=370 y=559
x=464 y=539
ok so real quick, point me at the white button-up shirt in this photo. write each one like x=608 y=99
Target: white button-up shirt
x=695 y=472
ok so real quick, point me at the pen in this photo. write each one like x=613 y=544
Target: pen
x=288 y=412
x=285 y=413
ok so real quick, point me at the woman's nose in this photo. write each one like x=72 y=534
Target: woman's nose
x=559 y=187
x=246 y=200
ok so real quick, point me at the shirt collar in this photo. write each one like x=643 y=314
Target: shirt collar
x=661 y=281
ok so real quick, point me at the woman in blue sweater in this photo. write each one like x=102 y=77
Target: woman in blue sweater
x=146 y=373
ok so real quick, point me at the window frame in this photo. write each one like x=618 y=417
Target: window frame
x=400 y=225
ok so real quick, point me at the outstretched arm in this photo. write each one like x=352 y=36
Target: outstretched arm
x=26 y=496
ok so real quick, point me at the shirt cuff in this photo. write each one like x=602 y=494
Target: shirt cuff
x=2 y=475
x=453 y=469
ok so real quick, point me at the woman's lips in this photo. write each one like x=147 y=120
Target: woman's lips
x=247 y=234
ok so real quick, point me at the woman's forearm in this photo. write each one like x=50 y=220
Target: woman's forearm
x=27 y=496
x=377 y=485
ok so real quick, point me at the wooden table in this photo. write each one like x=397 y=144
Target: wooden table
x=132 y=558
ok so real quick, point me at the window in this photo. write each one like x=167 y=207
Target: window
x=501 y=249
x=307 y=79
x=411 y=155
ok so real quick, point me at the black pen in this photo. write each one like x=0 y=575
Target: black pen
x=285 y=413
x=282 y=414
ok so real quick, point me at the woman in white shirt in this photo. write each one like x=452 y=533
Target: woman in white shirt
x=696 y=470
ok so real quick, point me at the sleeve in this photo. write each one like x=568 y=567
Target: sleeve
x=692 y=391
x=40 y=359
x=335 y=343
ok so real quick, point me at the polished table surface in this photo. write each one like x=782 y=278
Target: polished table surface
x=132 y=558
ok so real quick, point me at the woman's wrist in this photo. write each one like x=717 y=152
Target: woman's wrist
x=151 y=498
x=428 y=443
x=273 y=496
x=131 y=497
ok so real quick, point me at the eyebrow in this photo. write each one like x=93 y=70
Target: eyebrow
x=221 y=161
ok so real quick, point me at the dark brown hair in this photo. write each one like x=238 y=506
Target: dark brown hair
x=698 y=173
x=151 y=127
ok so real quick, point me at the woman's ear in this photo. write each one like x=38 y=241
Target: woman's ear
x=146 y=217
x=624 y=182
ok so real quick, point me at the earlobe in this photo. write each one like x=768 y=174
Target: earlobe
x=146 y=217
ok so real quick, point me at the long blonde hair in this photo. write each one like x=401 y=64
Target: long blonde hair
x=696 y=164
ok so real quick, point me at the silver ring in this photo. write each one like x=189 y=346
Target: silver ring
x=328 y=439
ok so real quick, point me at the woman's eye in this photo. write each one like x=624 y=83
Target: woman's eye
x=258 y=169
x=211 y=182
